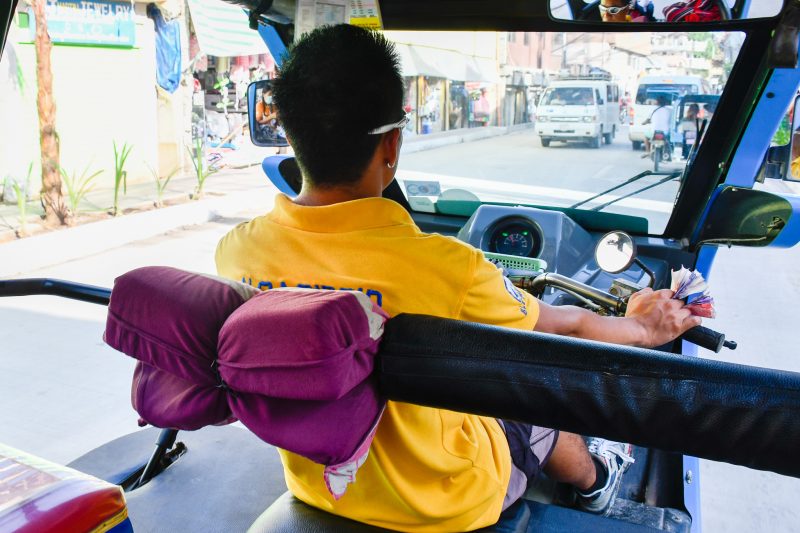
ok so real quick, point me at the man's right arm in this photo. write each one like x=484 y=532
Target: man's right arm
x=653 y=318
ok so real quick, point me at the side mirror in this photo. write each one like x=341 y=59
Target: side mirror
x=265 y=128
x=616 y=252
x=746 y=217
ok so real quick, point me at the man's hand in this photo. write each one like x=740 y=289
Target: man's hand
x=660 y=317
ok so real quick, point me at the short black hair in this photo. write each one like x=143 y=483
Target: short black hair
x=335 y=85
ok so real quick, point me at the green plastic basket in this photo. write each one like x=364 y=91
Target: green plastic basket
x=515 y=262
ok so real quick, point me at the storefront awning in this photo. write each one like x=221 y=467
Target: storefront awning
x=482 y=69
x=223 y=30
x=440 y=63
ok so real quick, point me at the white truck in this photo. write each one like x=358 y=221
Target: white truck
x=578 y=109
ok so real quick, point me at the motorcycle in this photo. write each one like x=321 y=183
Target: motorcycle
x=660 y=150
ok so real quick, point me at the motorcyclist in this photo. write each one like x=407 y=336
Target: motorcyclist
x=660 y=121
x=340 y=98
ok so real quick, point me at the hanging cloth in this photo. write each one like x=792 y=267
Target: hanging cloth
x=168 y=50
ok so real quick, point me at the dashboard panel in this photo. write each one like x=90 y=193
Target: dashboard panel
x=552 y=236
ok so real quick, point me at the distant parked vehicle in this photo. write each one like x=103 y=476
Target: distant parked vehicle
x=581 y=108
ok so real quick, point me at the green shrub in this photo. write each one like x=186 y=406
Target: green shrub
x=120 y=174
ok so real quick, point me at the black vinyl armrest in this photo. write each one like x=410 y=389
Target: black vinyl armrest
x=721 y=411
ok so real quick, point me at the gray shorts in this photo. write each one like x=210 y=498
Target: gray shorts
x=531 y=447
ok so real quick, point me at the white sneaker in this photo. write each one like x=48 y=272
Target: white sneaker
x=616 y=457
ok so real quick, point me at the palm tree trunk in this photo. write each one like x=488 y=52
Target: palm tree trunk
x=52 y=200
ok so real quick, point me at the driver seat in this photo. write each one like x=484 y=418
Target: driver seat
x=290 y=515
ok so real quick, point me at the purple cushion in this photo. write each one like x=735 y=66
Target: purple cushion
x=294 y=365
x=169 y=320
x=299 y=344
x=167 y=401
x=325 y=432
x=301 y=363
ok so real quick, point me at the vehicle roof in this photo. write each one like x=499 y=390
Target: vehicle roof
x=667 y=78
x=580 y=83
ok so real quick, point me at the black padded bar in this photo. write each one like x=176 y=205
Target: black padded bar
x=721 y=411
x=55 y=287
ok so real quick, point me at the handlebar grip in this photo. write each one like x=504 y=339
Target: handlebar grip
x=707 y=338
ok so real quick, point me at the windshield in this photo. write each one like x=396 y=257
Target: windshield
x=568 y=96
x=552 y=119
x=541 y=119
x=647 y=94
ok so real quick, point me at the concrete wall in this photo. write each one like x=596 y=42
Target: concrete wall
x=101 y=95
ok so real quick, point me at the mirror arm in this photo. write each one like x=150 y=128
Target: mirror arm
x=650 y=273
x=255 y=13
x=783 y=48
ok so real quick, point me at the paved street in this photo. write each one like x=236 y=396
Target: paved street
x=520 y=158
x=65 y=392
x=561 y=175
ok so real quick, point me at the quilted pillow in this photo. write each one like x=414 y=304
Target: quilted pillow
x=169 y=320
x=294 y=365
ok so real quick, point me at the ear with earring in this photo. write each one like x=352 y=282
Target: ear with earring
x=390 y=165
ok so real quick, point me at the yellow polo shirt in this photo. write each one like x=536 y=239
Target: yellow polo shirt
x=428 y=469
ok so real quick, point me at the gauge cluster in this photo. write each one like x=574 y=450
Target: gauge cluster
x=516 y=237
x=531 y=232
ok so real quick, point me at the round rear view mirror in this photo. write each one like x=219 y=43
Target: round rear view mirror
x=615 y=252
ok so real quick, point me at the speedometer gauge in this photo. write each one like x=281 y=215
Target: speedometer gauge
x=515 y=238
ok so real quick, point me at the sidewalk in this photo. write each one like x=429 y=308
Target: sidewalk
x=226 y=193
x=242 y=174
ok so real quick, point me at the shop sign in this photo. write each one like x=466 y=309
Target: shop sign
x=312 y=14
x=89 y=22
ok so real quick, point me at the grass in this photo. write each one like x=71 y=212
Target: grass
x=201 y=169
x=161 y=183
x=78 y=187
x=120 y=174
x=22 y=200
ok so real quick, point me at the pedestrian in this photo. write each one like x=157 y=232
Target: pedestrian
x=688 y=127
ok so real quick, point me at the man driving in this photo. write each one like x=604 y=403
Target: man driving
x=340 y=98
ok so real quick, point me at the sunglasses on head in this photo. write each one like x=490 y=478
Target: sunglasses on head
x=612 y=10
x=389 y=127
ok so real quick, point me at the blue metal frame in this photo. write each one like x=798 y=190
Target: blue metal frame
x=251 y=105
x=270 y=167
x=745 y=9
x=275 y=44
x=691 y=465
x=776 y=98
x=766 y=118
